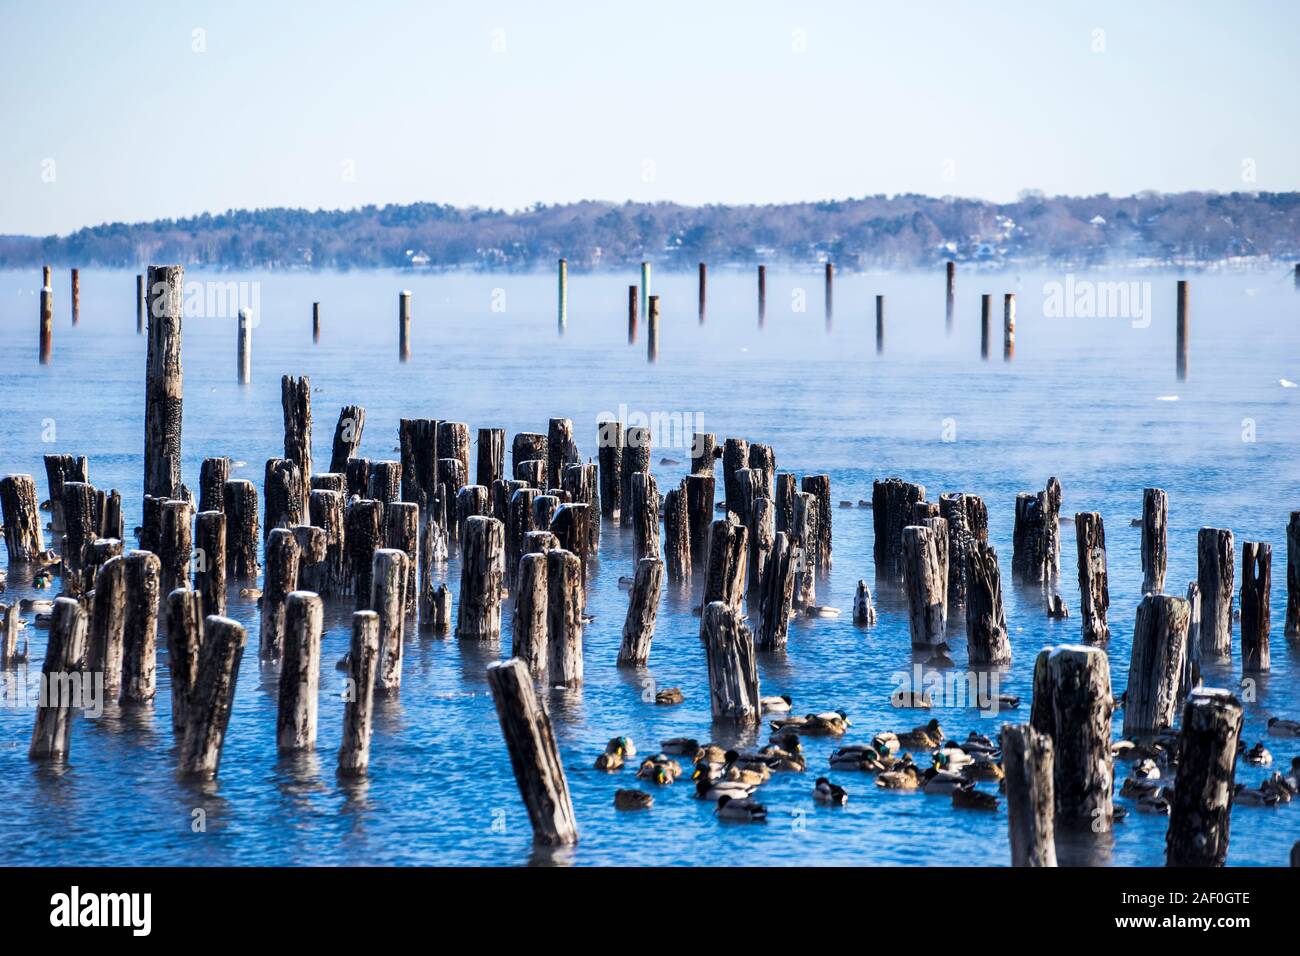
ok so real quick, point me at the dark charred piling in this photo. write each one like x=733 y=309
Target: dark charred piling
x=418 y=441
x=1200 y=808
x=643 y=607
x=830 y=300
x=1073 y=682
x=1156 y=665
x=777 y=595
x=1035 y=556
x=632 y=299
x=893 y=502
x=636 y=460
x=519 y=521
x=583 y=485
x=528 y=446
x=1256 y=583
x=385 y=481
x=880 y=325
x=564 y=618
x=139 y=304
x=295 y=402
x=347 y=436
x=163 y=383
x=213 y=475
x=1292 y=628
x=543 y=509
x=733 y=667
x=762 y=537
x=924 y=580
x=244 y=347
x=571 y=526
x=240 y=507
x=645 y=516
x=24 y=539
x=699 y=507
x=491 y=456
x=60 y=469
x=453 y=442
x=312 y=550
x=762 y=459
x=389 y=572
x=80 y=526
x=184 y=644
x=1155 y=553
x=140 y=628
x=677 y=535
x=404 y=326
x=76 y=296
x=210 y=561
x=762 y=296
x=214 y=694
x=359 y=702
x=1191 y=676
x=735 y=458
x=967 y=519
x=704 y=451
x=402 y=532
x=948 y=297
x=62 y=676
x=471 y=500
x=326 y=512
x=282 y=560
x=357 y=475
x=986 y=321
x=46 y=324
x=1008 y=326
x=315 y=322
x=111 y=524
x=283 y=495
x=362 y=535
x=986 y=621
x=482 y=563
x=108 y=625
x=609 y=451
x=1214 y=574
x=528 y=628
x=724 y=574
x=1094 y=585
x=561 y=449
x=819 y=486
x=150 y=523
x=703 y=289
x=176 y=546
x=534 y=755
x=1181 y=334
x=803 y=532
x=1028 y=762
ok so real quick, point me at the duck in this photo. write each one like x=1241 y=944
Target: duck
x=1279 y=786
x=622 y=745
x=740 y=808
x=776 y=705
x=1134 y=789
x=747 y=768
x=905 y=778
x=967 y=797
x=1281 y=727
x=983 y=768
x=36 y=605
x=927 y=737
x=633 y=800
x=609 y=761
x=710 y=753
x=941 y=781
x=1008 y=701
x=785 y=753
x=625 y=582
x=826 y=792
x=1146 y=769
x=42 y=580
x=1153 y=802
x=860 y=758
x=951 y=757
x=706 y=789
x=941 y=656
x=679 y=746
x=1258 y=755
x=1293 y=778
x=1254 y=798
x=670 y=695
x=979 y=743
x=250 y=593
x=887 y=742
x=660 y=769
x=912 y=699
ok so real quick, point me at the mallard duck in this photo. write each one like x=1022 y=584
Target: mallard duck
x=710 y=753
x=36 y=605
x=826 y=792
x=776 y=705
x=785 y=755
x=1258 y=755
x=669 y=695
x=622 y=745
x=979 y=744
x=1254 y=798
x=1134 y=788
x=928 y=737
x=1146 y=769
x=967 y=797
x=951 y=757
x=43 y=621
x=706 y=789
x=1008 y=701
x=250 y=593
x=1280 y=727
x=828 y=723
x=887 y=742
x=660 y=769
x=905 y=778
x=625 y=582
x=860 y=758
x=912 y=700
x=1279 y=786
x=680 y=746
x=1153 y=802
x=633 y=800
x=609 y=761
x=935 y=780
x=740 y=808
x=983 y=768
x=42 y=580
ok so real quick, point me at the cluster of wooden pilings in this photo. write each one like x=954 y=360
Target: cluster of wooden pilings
x=376 y=531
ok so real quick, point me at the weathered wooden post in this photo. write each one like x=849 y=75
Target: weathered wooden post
x=652 y=330
x=642 y=609
x=563 y=318
x=1072 y=703
x=315 y=322
x=385 y=484
x=1292 y=627
x=724 y=575
x=491 y=457
x=636 y=459
x=528 y=628
x=1200 y=807
x=762 y=538
x=282 y=560
x=1094 y=586
x=282 y=490
x=9 y=621
x=1156 y=665
x=948 y=298
x=609 y=455
x=519 y=521
x=60 y=469
x=347 y=436
x=762 y=296
x=571 y=525
x=63 y=682
x=925 y=582
x=1180 y=342
x=1214 y=575
x=1191 y=676
x=482 y=561
x=24 y=538
x=244 y=348
x=295 y=401
x=240 y=506
x=140 y=628
x=108 y=625
x=295 y=725
x=986 y=309
x=210 y=565
x=176 y=546
x=703 y=282
x=326 y=511
x=777 y=595
x=47 y=323
x=561 y=449
x=1036 y=555
x=402 y=532
x=184 y=645
x=893 y=503
x=139 y=304
x=699 y=506
x=735 y=458
x=803 y=534
x=986 y=621
x=163 y=383
x=583 y=486
x=79 y=524
x=645 y=289
x=819 y=486
x=534 y=755
x=645 y=516
x=830 y=302
x=359 y=703
x=213 y=696
x=388 y=585
x=1256 y=582
x=632 y=293
x=1008 y=326
x=1027 y=761
x=564 y=618
x=76 y=296
x=404 y=325
x=880 y=325
x=1155 y=555
x=733 y=668
x=213 y=475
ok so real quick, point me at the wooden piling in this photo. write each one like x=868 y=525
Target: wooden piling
x=240 y=506
x=677 y=535
x=283 y=495
x=733 y=669
x=830 y=308
x=880 y=325
x=1214 y=575
x=803 y=535
x=762 y=538
x=925 y=582
x=210 y=568
x=1155 y=555
x=519 y=521
x=609 y=455
x=892 y=506
x=76 y=296
x=402 y=531
x=385 y=482
x=358 y=707
x=724 y=574
x=571 y=526
x=735 y=458
x=63 y=682
x=482 y=562
x=282 y=560
x=645 y=289
x=175 y=546
x=819 y=486
x=1008 y=326
x=563 y=294
x=295 y=402
x=564 y=618
x=163 y=383
x=199 y=754
x=184 y=645
x=528 y=627
x=699 y=506
x=139 y=304
x=363 y=524
x=404 y=325
x=1292 y=625
x=582 y=484
x=776 y=596
x=534 y=755
x=1180 y=340
x=1094 y=586
x=315 y=322
x=703 y=284
x=1072 y=703
x=1200 y=807
x=632 y=293
x=642 y=609
x=213 y=475
x=645 y=516
x=986 y=310
x=46 y=324
x=986 y=622
x=1028 y=763
x=1156 y=665
x=390 y=569
x=561 y=449
x=652 y=330
x=1256 y=583
x=347 y=436
x=326 y=511
x=491 y=457
x=60 y=469
x=295 y=724
x=80 y=527
x=1036 y=544
x=948 y=298
x=140 y=628
x=24 y=537
x=108 y=625
x=636 y=460
x=762 y=296
x=244 y=348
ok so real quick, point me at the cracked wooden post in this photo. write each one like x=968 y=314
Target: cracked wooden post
x=645 y=516
x=418 y=441
x=893 y=502
x=564 y=618
x=491 y=463
x=543 y=508
x=47 y=323
x=1035 y=555
x=184 y=644
x=967 y=519
x=762 y=296
x=632 y=294
x=1181 y=338
x=1008 y=326
x=347 y=436
x=1292 y=627
x=570 y=524
x=9 y=621
x=1027 y=760
x=735 y=458
x=402 y=531
x=1214 y=575
x=763 y=460
x=60 y=469
x=214 y=694
x=1155 y=553
x=240 y=507
x=803 y=534
x=528 y=627
x=79 y=524
x=139 y=304
x=1094 y=588
x=111 y=524
x=24 y=538
x=563 y=295
x=733 y=669
x=282 y=492
x=677 y=535
x=357 y=476
x=1156 y=665
x=140 y=628
x=583 y=485
x=636 y=459
x=777 y=595
x=1200 y=807
x=388 y=585
x=609 y=455
x=295 y=724
x=986 y=621
x=762 y=536
x=213 y=475
x=362 y=536
x=108 y=625
x=244 y=348
x=922 y=575
x=1191 y=676
x=724 y=575
x=282 y=560
x=315 y=323
x=482 y=563
x=1072 y=703
x=1256 y=583
x=404 y=325
x=63 y=681
x=652 y=330
x=98 y=552
x=699 y=507
x=453 y=442
x=385 y=481
x=295 y=402
x=642 y=609
x=519 y=522
x=176 y=546
x=326 y=511
x=534 y=755
x=704 y=451
x=561 y=449
x=820 y=487
x=358 y=707
x=949 y=301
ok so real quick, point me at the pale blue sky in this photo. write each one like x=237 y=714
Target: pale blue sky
x=694 y=102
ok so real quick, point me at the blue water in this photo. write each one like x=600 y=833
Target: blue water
x=1081 y=401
